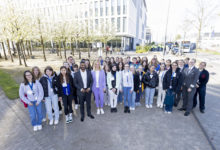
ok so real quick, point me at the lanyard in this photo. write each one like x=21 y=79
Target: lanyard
x=31 y=85
x=172 y=75
x=50 y=81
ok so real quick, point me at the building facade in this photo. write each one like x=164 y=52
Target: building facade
x=128 y=18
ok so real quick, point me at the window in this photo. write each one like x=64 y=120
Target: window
x=86 y=12
x=96 y=8
x=90 y=9
x=113 y=22
x=124 y=24
x=96 y=24
x=101 y=8
x=119 y=7
x=118 y=24
x=106 y=7
x=112 y=7
x=124 y=7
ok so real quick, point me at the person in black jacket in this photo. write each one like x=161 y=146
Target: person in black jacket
x=136 y=81
x=50 y=87
x=172 y=82
x=201 y=87
x=83 y=82
x=65 y=92
x=151 y=81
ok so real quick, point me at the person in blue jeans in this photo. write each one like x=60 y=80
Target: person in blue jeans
x=31 y=92
x=151 y=81
x=128 y=86
x=136 y=82
x=172 y=84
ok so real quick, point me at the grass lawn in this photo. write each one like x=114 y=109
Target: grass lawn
x=9 y=85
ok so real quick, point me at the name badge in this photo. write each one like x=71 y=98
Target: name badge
x=151 y=76
x=29 y=92
x=64 y=85
x=174 y=75
x=35 y=98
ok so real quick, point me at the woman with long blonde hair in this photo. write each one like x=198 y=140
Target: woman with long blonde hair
x=99 y=86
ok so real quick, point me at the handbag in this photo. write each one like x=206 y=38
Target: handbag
x=25 y=104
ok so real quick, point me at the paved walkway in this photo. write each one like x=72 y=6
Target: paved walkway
x=142 y=129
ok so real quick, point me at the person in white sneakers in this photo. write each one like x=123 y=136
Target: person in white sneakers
x=161 y=92
x=65 y=92
x=50 y=87
x=31 y=92
x=98 y=86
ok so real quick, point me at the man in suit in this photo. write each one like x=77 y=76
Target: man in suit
x=83 y=82
x=179 y=95
x=201 y=87
x=190 y=77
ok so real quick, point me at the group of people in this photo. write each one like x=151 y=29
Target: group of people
x=112 y=81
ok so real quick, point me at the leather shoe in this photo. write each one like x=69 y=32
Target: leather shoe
x=91 y=116
x=202 y=111
x=186 y=113
x=182 y=109
x=82 y=119
x=126 y=110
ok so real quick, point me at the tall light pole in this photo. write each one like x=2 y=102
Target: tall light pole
x=168 y=11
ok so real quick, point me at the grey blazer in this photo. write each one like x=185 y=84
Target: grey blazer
x=190 y=78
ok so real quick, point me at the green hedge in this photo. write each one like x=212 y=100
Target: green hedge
x=142 y=49
x=8 y=85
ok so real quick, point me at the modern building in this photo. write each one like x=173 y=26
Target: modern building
x=127 y=17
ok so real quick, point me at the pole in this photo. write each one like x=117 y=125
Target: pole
x=168 y=11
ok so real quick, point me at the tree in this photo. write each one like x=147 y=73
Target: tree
x=205 y=10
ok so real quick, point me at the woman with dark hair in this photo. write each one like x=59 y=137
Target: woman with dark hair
x=145 y=66
x=50 y=87
x=31 y=92
x=120 y=69
x=113 y=81
x=88 y=64
x=65 y=92
x=168 y=64
x=138 y=60
x=172 y=84
x=106 y=93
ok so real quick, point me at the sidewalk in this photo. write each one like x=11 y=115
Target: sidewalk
x=142 y=129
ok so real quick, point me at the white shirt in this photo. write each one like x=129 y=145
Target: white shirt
x=84 y=78
x=97 y=78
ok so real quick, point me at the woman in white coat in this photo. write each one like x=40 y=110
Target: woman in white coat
x=113 y=81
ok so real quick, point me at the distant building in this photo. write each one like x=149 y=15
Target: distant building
x=210 y=40
x=129 y=17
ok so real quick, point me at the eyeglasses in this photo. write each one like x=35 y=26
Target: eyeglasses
x=28 y=75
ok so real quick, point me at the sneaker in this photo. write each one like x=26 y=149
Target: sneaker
x=147 y=106
x=169 y=112
x=165 y=112
x=158 y=105
x=35 y=128
x=67 y=119
x=56 y=122
x=51 y=122
x=150 y=106
x=76 y=106
x=60 y=112
x=70 y=117
x=39 y=127
x=98 y=111
x=102 y=111
x=161 y=106
x=44 y=120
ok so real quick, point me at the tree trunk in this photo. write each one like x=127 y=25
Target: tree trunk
x=30 y=47
x=64 y=47
x=42 y=43
x=71 y=44
x=0 y=56
x=19 y=53
x=90 y=47
x=57 y=50
x=78 y=50
x=9 y=50
x=106 y=52
x=60 y=45
x=22 y=48
x=26 y=46
x=14 y=49
x=22 y=52
x=3 y=47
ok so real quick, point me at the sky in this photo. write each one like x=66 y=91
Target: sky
x=157 y=11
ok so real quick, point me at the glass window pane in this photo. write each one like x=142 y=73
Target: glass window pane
x=96 y=8
x=101 y=8
x=124 y=24
x=118 y=24
x=119 y=7
x=112 y=7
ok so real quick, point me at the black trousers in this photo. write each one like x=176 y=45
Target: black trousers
x=60 y=106
x=85 y=97
x=67 y=103
x=188 y=98
x=202 y=92
x=178 y=97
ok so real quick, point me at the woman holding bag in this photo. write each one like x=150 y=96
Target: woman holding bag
x=35 y=94
x=171 y=83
